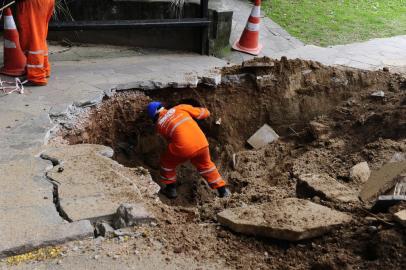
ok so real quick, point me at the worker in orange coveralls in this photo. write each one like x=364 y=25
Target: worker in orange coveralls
x=186 y=142
x=33 y=17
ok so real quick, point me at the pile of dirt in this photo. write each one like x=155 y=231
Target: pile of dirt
x=287 y=95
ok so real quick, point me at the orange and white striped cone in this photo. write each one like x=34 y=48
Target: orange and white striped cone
x=14 y=59
x=249 y=41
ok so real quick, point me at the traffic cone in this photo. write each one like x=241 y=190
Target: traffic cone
x=14 y=59
x=249 y=41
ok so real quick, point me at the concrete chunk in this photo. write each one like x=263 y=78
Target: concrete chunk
x=45 y=236
x=132 y=214
x=289 y=219
x=262 y=137
x=325 y=187
x=381 y=181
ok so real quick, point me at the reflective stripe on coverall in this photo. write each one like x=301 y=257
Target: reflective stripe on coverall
x=186 y=142
x=33 y=17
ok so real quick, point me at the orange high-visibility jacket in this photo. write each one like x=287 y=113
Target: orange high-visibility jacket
x=183 y=133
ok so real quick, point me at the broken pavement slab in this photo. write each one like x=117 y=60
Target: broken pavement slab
x=325 y=187
x=262 y=137
x=44 y=236
x=381 y=181
x=91 y=185
x=289 y=219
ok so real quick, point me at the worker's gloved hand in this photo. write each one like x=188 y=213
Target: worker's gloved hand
x=223 y=192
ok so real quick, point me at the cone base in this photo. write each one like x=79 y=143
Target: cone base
x=254 y=51
x=13 y=73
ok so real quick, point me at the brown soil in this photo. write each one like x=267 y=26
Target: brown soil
x=286 y=95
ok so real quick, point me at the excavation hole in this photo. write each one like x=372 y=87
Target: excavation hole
x=286 y=95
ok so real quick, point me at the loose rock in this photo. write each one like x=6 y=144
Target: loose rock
x=360 y=172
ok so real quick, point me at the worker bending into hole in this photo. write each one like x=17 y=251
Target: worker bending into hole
x=186 y=142
x=33 y=18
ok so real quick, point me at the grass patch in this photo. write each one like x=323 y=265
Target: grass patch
x=330 y=22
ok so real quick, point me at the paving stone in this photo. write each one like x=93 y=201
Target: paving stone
x=360 y=172
x=381 y=181
x=289 y=219
x=325 y=187
x=262 y=137
x=401 y=217
x=44 y=236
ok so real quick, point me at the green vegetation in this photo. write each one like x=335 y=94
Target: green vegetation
x=329 y=22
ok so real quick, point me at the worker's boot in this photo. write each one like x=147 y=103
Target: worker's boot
x=169 y=191
x=223 y=192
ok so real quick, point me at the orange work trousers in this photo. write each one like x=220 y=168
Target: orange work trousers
x=201 y=160
x=33 y=17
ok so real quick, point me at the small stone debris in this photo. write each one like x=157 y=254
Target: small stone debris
x=289 y=219
x=265 y=135
x=325 y=187
x=360 y=173
x=401 y=217
x=378 y=94
x=130 y=215
x=381 y=182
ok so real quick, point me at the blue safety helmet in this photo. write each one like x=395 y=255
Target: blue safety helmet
x=153 y=108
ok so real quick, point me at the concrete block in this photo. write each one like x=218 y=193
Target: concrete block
x=46 y=236
x=381 y=181
x=360 y=172
x=289 y=219
x=262 y=137
x=325 y=187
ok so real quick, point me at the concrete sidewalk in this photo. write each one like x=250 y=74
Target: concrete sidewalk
x=370 y=55
x=81 y=76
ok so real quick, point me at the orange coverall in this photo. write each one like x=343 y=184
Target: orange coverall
x=33 y=17
x=186 y=142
